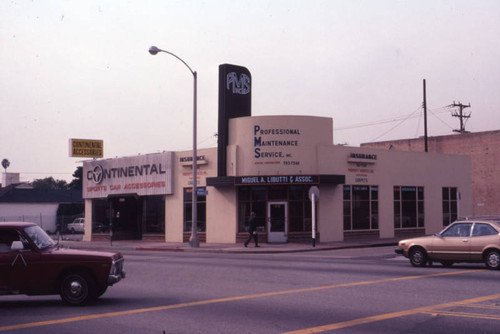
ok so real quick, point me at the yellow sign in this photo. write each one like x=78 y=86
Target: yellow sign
x=88 y=148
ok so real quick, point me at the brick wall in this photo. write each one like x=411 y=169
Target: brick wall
x=484 y=150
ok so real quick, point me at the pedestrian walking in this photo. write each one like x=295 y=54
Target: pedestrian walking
x=252 y=231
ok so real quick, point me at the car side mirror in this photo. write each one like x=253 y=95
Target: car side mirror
x=439 y=235
x=17 y=246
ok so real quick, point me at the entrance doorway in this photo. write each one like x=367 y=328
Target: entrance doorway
x=277 y=227
x=126 y=217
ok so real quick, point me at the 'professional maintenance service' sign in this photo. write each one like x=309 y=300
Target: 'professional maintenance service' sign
x=86 y=148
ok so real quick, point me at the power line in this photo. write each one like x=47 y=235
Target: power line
x=439 y=119
x=393 y=119
x=383 y=121
x=395 y=126
x=373 y=123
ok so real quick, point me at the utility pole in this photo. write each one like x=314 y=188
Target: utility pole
x=426 y=138
x=460 y=115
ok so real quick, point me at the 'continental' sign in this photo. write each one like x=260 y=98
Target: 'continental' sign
x=144 y=175
x=86 y=148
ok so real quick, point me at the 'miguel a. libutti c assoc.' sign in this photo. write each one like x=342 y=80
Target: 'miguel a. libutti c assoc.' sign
x=276 y=179
x=144 y=175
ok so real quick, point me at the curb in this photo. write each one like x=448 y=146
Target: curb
x=159 y=249
x=228 y=248
x=264 y=251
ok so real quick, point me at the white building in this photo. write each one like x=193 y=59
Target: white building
x=271 y=164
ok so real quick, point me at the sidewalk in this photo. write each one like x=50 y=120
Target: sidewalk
x=139 y=245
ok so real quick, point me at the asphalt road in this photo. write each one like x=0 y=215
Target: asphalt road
x=369 y=290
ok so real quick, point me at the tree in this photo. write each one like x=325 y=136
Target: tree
x=77 y=182
x=5 y=164
x=49 y=183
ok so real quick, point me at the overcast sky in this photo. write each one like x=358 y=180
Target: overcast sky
x=81 y=69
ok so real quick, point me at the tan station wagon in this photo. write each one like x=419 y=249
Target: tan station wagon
x=468 y=240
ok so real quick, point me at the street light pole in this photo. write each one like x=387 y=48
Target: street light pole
x=193 y=240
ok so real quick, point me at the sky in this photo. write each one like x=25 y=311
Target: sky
x=81 y=69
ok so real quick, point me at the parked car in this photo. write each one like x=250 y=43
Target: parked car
x=32 y=263
x=100 y=228
x=468 y=240
x=78 y=225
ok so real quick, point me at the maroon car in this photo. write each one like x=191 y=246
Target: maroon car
x=32 y=263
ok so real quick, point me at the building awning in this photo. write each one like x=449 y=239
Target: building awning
x=260 y=180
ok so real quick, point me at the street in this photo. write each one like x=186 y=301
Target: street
x=365 y=290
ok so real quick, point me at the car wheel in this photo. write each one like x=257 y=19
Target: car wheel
x=101 y=291
x=77 y=288
x=418 y=257
x=447 y=263
x=492 y=259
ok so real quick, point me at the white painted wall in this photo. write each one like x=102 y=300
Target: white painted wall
x=42 y=214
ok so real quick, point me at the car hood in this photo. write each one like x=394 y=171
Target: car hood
x=82 y=254
x=419 y=240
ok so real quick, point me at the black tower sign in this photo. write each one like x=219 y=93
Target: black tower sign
x=235 y=100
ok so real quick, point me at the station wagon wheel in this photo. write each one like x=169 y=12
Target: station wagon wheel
x=77 y=288
x=418 y=257
x=492 y=259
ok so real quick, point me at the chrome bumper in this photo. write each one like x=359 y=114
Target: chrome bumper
x=112 y=279
x=116 y=273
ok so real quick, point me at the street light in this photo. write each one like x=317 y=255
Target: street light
x=193 y=240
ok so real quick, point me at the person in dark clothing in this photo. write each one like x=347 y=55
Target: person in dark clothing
x=252 y=230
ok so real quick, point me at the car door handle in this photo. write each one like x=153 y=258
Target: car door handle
x=465 y=240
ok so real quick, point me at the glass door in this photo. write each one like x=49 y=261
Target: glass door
x=277 y=227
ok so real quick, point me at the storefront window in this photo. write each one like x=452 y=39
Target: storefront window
x=201 y=211
x=296 y=216
x=299 y=209
x=258 y=193
x=408 y=207
x=450 y=205
x=100 y=215
x=374 y=213
x=252 y=199
x=296 y=193
x=244 y=194
x=153 y=214
x=132 y=216
x=360 y=207
x=277 y=193
x=256 y=198
x=307 y=216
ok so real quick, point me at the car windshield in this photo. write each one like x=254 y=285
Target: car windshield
x=39 y=237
